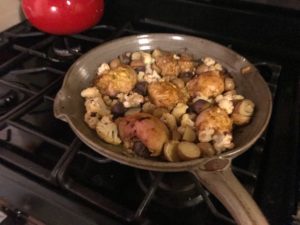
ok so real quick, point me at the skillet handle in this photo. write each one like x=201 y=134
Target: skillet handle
x=216 y=175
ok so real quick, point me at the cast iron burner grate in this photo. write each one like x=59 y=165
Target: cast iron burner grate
x=44 y=148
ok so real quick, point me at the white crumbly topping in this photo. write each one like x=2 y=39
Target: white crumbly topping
x=148 y=69
x=222 y=142
x=209 y=61
x=154 y=77
x=206 y=135
x=101 y=69
x=226 y=102
x=130 y=100
x=140 y=76
x=176 y=56
x=147 y=58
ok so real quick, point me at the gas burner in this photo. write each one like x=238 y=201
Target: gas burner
x=65 y=49
x=7 y=101
x=175 y=190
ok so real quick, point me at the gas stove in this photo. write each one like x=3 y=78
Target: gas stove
x=48 y=176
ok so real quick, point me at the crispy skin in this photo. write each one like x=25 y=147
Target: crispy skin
x=168 y=65
x=165 y=94
x=172 y=67
x=152 y=132
x=121 y=79
x=208 y=84
x=214 y=118
x=186 y=63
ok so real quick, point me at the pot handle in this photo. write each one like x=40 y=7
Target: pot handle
x=216 y=175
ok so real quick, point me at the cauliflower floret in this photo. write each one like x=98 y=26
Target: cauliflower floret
x=222 y=142
x=147 y=58
x=101 y=69
x=206 y=135
x=152 y=77
x=108 y=131
x=226 y=105
x=187 y=121
x=208 y=61
x=91 y=119
x=97 y=105
x=131 y=100
x=90 y=92
x=140 y=76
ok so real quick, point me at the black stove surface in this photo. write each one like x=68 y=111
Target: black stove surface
x=39 y=152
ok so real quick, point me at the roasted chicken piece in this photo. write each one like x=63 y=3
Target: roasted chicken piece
x=172 y=65
x=168 y=65
x=208 y=84
x=211 y=121
x=121 y=79
x=152 y=132
x=165 y=94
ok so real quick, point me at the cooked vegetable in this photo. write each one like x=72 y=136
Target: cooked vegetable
x=189 y=134
x=108 y=131
x=186 y=76
x=114 y=63
x=200 y=105
x=229 y=84
x=140 y=149
x=118 y=109
x=207 y=149
x=141 y=88
x=188 y=151
x=170 y=151
x=242 y=112
x=179 y=110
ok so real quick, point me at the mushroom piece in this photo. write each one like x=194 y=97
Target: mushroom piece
x=121 y=79
x=200 y=105
x=242 y=112
x=148 y=129
x=208 y=84
x=229 y=84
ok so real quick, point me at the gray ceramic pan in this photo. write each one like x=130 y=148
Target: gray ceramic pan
x=215 y=172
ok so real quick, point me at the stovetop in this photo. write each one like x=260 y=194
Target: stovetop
x=48 y=173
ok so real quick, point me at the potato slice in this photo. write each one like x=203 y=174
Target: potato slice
x=188 y=151
x=189 y=134
x=207 y=149
x=170 y=151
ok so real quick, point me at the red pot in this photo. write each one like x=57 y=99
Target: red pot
x=63 y=16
